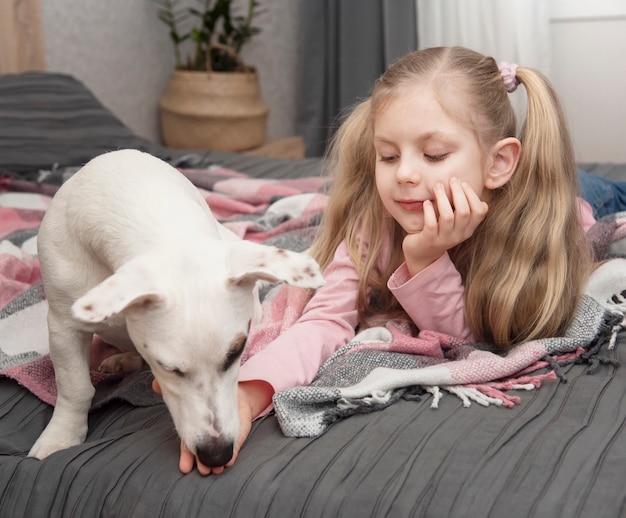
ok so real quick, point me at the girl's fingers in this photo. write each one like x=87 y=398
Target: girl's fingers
x=443 y=203
x=187 y=459
x=461 y=213
x=430 y=218
x=476 y=205
x=446 y=212
x=458 y=194
x=216 y=471
x=478 y=208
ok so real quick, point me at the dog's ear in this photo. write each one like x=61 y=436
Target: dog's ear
x=128 y=289
x=249 y=262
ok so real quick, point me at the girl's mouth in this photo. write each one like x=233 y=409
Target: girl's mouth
x=411 y=206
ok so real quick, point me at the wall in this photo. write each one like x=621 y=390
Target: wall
x=588 y=41
x=122 y=52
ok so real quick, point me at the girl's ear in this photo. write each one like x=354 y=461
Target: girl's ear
x=504 y=157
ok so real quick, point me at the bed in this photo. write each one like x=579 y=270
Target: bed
x=557 y=450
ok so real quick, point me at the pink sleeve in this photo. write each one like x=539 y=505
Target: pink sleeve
x=328 y=322
x=586 y=214
x=433 y=298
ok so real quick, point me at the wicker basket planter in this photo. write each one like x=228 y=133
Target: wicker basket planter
x=221 y=111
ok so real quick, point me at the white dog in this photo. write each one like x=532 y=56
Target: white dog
x=129 y=250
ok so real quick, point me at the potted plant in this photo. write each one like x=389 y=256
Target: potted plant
x=213 y=99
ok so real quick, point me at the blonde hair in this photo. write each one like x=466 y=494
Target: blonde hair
x=355 y=210
x=525 y=266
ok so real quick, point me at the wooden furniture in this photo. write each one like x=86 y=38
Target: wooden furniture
x=287 y=147
x=21 y=36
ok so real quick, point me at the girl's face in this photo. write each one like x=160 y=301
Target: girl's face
x=418 y=145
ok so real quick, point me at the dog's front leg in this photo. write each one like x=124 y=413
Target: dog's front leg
x=69 y=351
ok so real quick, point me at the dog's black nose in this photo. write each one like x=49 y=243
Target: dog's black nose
x=215 y=453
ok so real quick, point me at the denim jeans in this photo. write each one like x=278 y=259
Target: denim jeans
x=603 y=194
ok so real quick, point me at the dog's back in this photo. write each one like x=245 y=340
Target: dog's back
x=119 y=205
x=127 y=193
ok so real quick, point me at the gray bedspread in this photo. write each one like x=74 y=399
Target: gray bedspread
x=561 y=452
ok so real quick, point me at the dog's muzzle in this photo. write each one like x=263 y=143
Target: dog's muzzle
x=215 y=453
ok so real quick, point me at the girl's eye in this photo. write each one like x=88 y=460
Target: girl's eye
x=436 y=158
x=390 y=158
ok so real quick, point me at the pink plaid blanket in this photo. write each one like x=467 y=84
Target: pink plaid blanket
x=284 y=213
x=374 y=370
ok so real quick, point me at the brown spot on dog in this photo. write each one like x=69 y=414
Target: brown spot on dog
x=234 y=352
x=88 y=307
x=281 y=252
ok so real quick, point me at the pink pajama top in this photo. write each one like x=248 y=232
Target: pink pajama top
x=433 y=299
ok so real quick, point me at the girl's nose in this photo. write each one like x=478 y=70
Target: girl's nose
x=408 y=172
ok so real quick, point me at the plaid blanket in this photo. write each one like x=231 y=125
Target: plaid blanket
x=378 y=367
x=383 y=364
x=282 y=213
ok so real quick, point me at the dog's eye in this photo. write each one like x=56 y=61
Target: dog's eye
x=172 y=369
x=178 y=372
x=234 y=352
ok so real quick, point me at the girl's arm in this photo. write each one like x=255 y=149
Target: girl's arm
x=328 y=322
x=433 y=298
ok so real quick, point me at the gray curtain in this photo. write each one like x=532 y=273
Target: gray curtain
x=344 y=46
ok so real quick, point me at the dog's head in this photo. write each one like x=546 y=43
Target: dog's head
x=191 y=327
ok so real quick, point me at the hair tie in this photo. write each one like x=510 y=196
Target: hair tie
x=508 y=71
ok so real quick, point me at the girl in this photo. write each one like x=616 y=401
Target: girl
x=438 y=214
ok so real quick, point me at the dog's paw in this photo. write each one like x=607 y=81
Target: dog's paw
x=122 y=363
x=41 y=450
x=50 y=442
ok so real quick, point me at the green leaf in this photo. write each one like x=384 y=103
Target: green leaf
x=206 y=22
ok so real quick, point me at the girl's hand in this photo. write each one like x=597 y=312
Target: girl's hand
x=253 y=397
x=457 y=222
